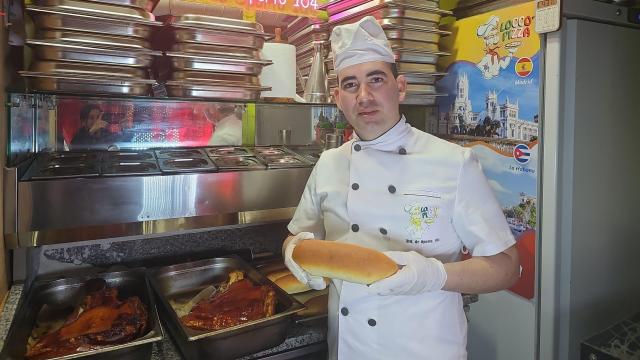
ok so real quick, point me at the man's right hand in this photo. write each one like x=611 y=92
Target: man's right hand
x=314 y=282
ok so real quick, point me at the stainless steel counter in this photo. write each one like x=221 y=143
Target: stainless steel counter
x=109 y=207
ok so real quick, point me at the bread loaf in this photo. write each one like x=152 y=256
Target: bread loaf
x=291 y=285
x=275 y=275
x=348 y=262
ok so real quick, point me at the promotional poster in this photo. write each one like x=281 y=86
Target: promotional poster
x=492 y=106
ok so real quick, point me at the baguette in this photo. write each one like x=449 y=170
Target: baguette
x=349 y=262
x=291 y=285
x=275 y=275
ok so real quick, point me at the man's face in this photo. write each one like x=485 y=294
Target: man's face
x=369 y=96
x=94 y=116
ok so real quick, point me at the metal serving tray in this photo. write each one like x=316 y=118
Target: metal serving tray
x=316 y=32
x=180 y=153
x=93 y=39
x=412 y=35
x=217 y=51
x=227 y=92
x=96 y=9
x=88 y=70
x=186 y=280
x=215 y=78
x=300 y=24
x=63 y=293
x=285 y=161
x=421 y=88
x=119 y=156
x=423 y=5
x=381 y=10
x=413 y=56
x=228 y=151
x=237 y=163
x=270 y=151
x=130 y=168
x=217 y=64
x=59 y=20
x=65 y=52
x=147 y=5
x=413 y=45
x=196 y=164
x=420 y=99
x=422 y=78
x=309 y=153
x=215 y=23
x=190 y=35
x=37 y=81
x=415 y=67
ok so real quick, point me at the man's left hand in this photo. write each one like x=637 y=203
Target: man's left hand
x=419 y=274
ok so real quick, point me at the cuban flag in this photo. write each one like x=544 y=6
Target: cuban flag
x=522 y=153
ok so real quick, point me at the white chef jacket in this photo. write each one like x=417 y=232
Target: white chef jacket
x=406 y=190
x=228 y=131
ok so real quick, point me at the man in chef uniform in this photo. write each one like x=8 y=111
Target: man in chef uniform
x=417 y=198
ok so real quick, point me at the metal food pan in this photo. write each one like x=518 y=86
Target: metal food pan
x=421 y=88
x=340 y=9
x=408 y=23
x=88 y=70
x=412 y=35
x=320 y=29
x=197 y=63
x=179 y=153
x=414 y=45
x=422 y=57
x=186 y=280
x=120 y=168
x=309 y=38
x=217 y=50
x=222 y=38
x=299 y=24
x=422 y=78
x=215 y=78
x=215 y=23
x=382 y=10
x=45 y=19
x=96 y=9
x=147 y=5
x=188 y=165
x=420 y=99
x=415 y=67
x=212 y=92
x=119 y=156
x=84 y=54
x=93 y=39
x=86 y=86
x=60 y=294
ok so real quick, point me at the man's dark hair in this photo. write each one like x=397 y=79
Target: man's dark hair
x=394 y=70
x=84 y=113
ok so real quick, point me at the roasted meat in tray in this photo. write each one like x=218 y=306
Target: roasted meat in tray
x=222 y=308
x=97 y=315
x=236 y=302
x=101 y=319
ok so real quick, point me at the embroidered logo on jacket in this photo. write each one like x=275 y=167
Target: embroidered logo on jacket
x=420 y=220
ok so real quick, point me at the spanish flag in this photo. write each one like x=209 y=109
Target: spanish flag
x=524 y=66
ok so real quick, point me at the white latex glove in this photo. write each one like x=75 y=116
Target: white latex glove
x=419 y=274
x=314 y=282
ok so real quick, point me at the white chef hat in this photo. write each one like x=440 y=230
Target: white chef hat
x=358 y=43
x=492 y=23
